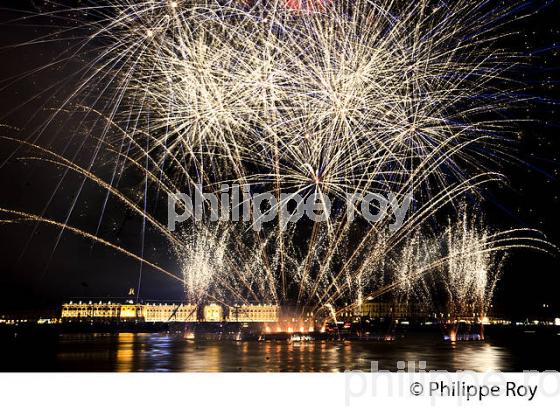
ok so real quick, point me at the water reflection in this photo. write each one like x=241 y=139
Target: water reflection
x=126 y=352
x=504 y=350
x=481 y=358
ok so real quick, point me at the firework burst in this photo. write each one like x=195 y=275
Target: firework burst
x=329 y=97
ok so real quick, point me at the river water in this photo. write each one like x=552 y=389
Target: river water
x=126 y=352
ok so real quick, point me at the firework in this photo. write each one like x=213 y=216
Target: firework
x=328 y=97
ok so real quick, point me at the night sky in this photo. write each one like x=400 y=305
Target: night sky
x=32 y=275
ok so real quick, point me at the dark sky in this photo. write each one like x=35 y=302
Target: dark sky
x=30 y=272
x=31 y=275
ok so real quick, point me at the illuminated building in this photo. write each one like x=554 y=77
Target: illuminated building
x=164 y=312
x=129 y=311
x=169 y=313
x=254 y=313
x=90 y=311
x=379 y=310
x=213 y=313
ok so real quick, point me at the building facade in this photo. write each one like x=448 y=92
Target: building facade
x=213 y=313
x=164 y=312
x=169 y=313
x=128 y=312
x=379 y=310
x=254 y=313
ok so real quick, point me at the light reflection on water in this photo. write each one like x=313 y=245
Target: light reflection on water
x=127 y=352
x=483 y=358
